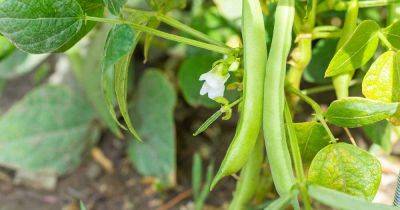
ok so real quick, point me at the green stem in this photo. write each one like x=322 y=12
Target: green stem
x=326 y=35
x=342 y=5
x=296 y=155
x=386 y=42
x=324 y=88
x=178 y=25
x=319 y=114
x=172 y=37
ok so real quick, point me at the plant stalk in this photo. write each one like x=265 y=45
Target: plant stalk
x=172 y=37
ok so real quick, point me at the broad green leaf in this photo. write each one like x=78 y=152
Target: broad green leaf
x=380 y=83
x=120 y=42
x=94 y=8
x=121 y=80
x=322 y=54
x=312 y=137
x=357 y=51
x=166 y=5
x=348 y=169
x=344 y=201
x=19 y=63
x=115 y=6
x=46 y=131
x=392 y=33
x=153 y=111
x=40 y=26
x=189 y=74
x=380 y=134
x=87 y=70
x=6 y=47
x=356 y=112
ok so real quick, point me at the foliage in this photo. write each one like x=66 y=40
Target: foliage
x=244 y=54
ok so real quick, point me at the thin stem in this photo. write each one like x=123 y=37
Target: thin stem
x=323 y=7
x=319 y=114
x=235 y=103
x=178 y=25
x=296 y=155
x=172 y=37
x=325 y=88
x=386 y=42
x=326 y=35
x=352 y=140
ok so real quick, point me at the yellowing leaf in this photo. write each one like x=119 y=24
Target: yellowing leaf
x=379 y=82
x=348 y=169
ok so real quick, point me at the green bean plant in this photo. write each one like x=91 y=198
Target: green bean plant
x=281 y=45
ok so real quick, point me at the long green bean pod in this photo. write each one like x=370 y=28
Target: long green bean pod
x=342 y=82
x=273 y=122
x=249 y=126
x=249 y=178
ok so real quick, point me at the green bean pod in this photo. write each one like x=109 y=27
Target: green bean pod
x=342 y=82
x=273 y=122
x=249 y=126
x=249 y=178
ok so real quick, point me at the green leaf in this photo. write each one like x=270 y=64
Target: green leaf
x=19 y=63
x=380 y=134
x=40 y=26
x=357 y=51
x=312 y=137
x=121 y=81
x=197 y=170
x=94 y=8
x=82 y=206
x=380 y=82
x=322 y=54
x=348 y=169
x=46 y=131
x=153 y=111
x=356 y=112
x=121 y=41
x=115 y=6
x=392 y=33
x=343 y=201
x=6 y=47
x=87 y=70
x=166 y=5
x=188 y=76
x=208 y=122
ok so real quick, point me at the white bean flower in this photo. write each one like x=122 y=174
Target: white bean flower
x=214 y=84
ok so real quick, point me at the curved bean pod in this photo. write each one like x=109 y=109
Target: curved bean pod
x=249 y=178
x=273 y=122
x=249 y=125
